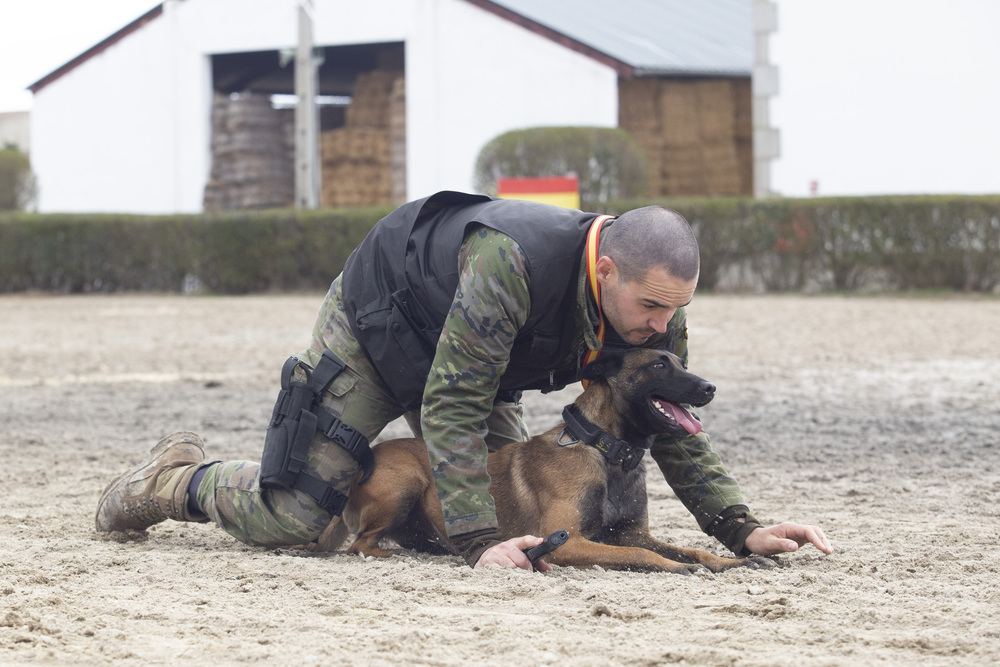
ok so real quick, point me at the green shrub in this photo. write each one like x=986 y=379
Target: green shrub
x=607 y=162
x=226 y=253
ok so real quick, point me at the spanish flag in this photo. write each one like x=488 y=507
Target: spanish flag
x=558 y=190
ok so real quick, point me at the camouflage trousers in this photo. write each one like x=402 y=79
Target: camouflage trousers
x=230 y=492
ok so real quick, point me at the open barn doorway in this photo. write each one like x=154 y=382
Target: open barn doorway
x=362 y=115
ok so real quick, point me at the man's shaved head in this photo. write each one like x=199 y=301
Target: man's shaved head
x=651 y=237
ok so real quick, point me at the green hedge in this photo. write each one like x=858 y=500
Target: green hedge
x=844 y=244
x=225 y=253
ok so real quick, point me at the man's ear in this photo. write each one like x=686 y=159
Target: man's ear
x=606 y=269
x=609 y=363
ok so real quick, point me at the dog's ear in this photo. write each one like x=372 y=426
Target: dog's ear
x=609 y=363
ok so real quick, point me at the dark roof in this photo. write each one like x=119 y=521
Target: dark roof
x=652 y=37
x=112 y=39
x=635 y=37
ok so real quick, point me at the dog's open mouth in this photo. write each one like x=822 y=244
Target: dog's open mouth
x=675 y=414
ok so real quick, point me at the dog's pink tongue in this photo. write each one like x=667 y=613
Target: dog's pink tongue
x=682 y=417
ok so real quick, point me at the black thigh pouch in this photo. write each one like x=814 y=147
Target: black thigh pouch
x=289 y=435
x=297 y=416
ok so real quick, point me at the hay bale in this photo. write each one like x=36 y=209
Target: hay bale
x=252 y=154
x=696 y=133
x=638 y=105
x=363 y=163
x=679 y=113
x=397 y=141
x=716 y=113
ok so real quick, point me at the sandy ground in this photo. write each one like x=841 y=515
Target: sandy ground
x=876 y=418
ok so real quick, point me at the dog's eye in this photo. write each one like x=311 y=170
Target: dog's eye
x=659 y=365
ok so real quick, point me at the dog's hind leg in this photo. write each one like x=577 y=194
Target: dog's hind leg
x=420 y=535
x=424 y=528
x=378 y=520
x=367 y=544
x=382 y=506
x=332 y=536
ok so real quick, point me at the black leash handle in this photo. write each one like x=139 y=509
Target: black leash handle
x=548 y=545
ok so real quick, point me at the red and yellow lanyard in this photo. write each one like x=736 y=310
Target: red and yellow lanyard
x=593 y=243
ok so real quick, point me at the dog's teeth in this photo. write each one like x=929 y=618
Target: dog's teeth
x=659 y=406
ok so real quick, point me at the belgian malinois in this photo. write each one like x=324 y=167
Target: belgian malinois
x=584 y=476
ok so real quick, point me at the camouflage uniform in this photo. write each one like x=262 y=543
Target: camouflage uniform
x=459 y=417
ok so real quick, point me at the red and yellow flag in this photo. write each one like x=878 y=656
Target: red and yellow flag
x=557 y=190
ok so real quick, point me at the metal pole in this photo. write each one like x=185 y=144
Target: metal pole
x=306 y=114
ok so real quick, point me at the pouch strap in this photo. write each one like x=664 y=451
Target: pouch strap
x=286 y=372
x=331 y=424
x=325 y=495
x=349 y=439
x=318 y=379
x=326 y=371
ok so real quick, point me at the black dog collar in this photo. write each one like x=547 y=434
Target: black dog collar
x=616 y=451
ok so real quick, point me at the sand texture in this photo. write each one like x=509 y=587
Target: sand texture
x=874 y=417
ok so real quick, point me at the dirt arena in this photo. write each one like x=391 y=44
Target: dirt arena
x=874 y=417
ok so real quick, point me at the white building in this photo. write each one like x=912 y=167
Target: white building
x=126 y=126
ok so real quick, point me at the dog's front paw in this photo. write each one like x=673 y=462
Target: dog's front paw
x=759 y=562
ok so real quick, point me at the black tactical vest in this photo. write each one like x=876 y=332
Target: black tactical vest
x=400 y=282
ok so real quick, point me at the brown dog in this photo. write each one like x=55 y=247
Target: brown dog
x=585 y=477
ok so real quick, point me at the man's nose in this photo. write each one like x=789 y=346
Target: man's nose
x=659 y=324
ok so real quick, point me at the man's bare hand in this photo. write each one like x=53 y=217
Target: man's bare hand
x=786 y=537
x=511 y=554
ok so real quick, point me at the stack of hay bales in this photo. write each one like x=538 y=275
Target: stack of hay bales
x=743 y=103
x=253 y=154
x=363 y=162
x=696 y=133
x=639 y=115
x=397 y=140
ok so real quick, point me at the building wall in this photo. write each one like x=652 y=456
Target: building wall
x=129 y=129
x=471 y=76
x=100 y=133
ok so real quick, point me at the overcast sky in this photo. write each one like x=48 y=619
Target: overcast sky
x=876 y=96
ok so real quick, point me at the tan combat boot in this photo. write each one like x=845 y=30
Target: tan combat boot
x=155 y=489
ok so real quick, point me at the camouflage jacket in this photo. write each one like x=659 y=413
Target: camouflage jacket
x=490 y=306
